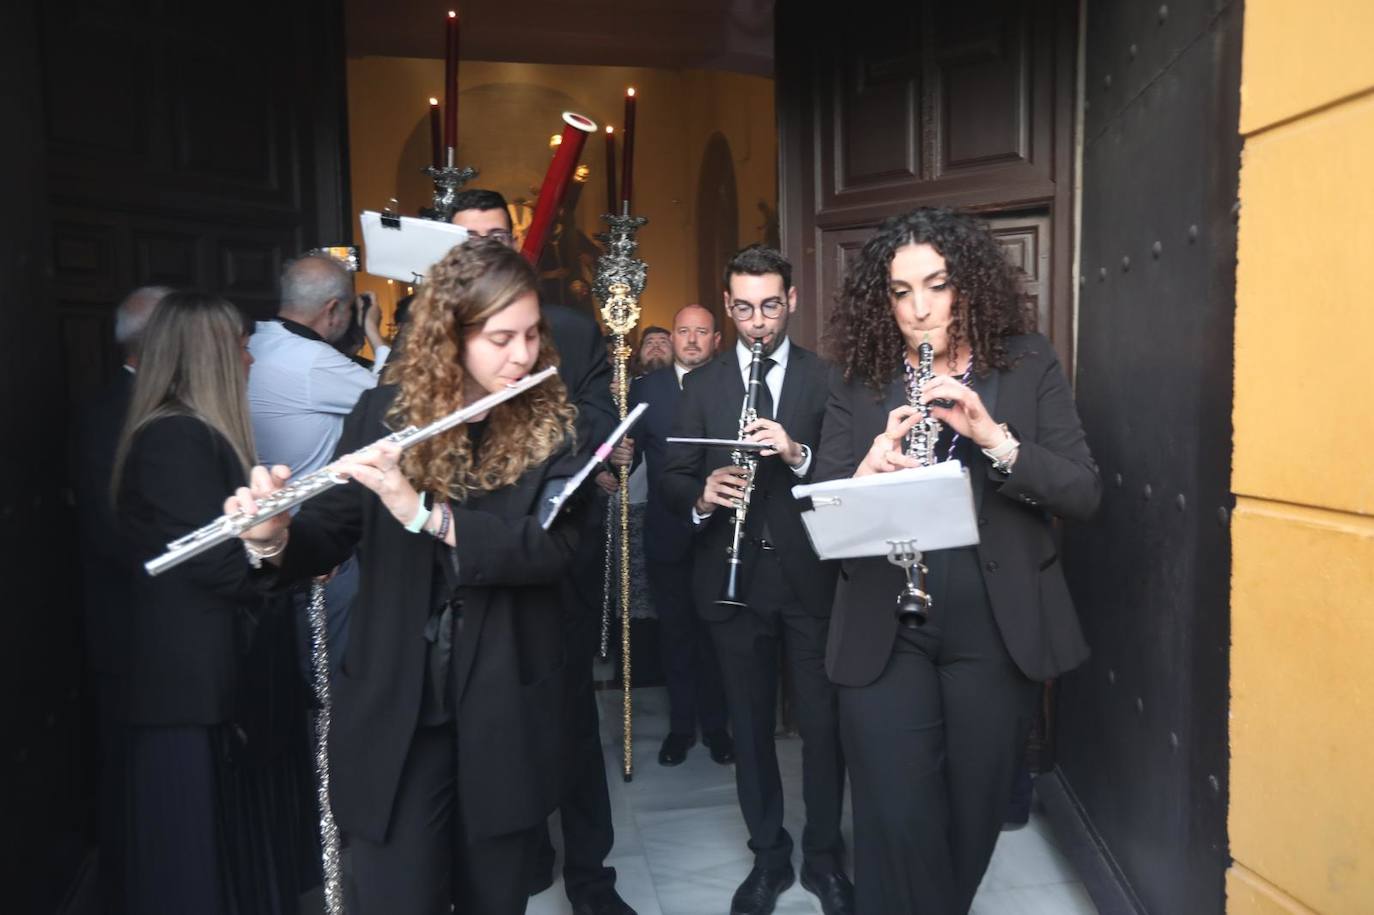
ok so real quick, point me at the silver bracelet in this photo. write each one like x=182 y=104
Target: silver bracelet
x=257 y=554
x=1005 y=452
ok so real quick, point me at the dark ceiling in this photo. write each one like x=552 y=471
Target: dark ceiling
x=734 y=35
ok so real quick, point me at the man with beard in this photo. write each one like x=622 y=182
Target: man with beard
x=695 y=694
x=655 y=350
x=787 y=590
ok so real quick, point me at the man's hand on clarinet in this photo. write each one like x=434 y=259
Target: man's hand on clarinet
x=772 y=433
x=724 y=488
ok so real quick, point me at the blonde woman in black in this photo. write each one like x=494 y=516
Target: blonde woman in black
x=934 y=718
x=217 y=783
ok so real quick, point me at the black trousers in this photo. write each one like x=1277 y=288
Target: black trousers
x=932 y=747
x=695 y=693
x=747 y=646
x=585 y=806
x=426 y=864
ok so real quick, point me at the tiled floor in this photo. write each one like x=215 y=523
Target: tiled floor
x=680 y=842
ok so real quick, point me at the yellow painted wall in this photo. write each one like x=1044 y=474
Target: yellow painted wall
x=1302 y=606
x=507 y=113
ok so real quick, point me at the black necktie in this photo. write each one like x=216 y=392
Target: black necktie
x=764 y=407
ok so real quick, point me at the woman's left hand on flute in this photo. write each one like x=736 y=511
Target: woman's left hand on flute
x=262 y=482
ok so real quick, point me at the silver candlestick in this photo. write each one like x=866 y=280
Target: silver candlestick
x=448 y=179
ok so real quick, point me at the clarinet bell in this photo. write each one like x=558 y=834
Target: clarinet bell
x=735 y=584
x=913 y=607
x=732 y=590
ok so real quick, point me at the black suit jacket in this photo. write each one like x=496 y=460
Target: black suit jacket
x=712 y=396
x=585 y=372
x=190 y=626
x=1054 y=475
x=508 y=658
x=108 y=567
x=667 y=536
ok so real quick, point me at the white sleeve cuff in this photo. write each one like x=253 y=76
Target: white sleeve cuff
x=379 y=357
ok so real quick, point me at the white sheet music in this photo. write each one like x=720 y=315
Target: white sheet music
x=932 y=506
x=407 y=253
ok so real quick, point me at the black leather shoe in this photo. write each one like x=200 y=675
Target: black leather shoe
x=674 y=749
x=834 y=890
x=602 y=902
x=760 y=890
x=721 y=745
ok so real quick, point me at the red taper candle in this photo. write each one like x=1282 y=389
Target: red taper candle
x=436 y=143
x=627 y=169
x=451 y=80
x=556 y=181
x=612 y=198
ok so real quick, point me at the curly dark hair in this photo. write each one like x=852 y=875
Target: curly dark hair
x=863 y=337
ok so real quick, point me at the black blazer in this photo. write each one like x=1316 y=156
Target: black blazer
x=1054 y=475
x=190 y=626
x=585 y=372
x=667 y=536
x=508 y=658
x=712 y=396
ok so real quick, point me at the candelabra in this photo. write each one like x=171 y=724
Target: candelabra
x=447 y=178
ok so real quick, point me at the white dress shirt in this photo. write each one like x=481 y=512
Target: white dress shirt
x=774 y=381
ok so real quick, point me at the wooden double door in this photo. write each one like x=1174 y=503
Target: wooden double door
x=886 y=107
x=151 y=141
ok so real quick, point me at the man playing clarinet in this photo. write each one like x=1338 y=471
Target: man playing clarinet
x=783 y=594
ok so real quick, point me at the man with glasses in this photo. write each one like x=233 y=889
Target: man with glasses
x=787 y=589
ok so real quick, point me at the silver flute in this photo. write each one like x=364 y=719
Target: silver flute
x=228 y=527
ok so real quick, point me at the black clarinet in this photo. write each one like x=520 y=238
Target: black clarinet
x=732 y=589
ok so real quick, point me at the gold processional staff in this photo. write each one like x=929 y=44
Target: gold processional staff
x=620 y=282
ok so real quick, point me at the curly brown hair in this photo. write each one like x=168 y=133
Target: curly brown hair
x=863 y=337
x=474 y=281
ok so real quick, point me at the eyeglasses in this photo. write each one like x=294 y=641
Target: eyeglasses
x=743 y=311
x=500 y=235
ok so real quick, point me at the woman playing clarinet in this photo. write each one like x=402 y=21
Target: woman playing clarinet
x=446 y=711
x=934 y=715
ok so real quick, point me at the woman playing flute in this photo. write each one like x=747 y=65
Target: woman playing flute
x=446 y=711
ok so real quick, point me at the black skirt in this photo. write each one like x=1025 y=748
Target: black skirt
x=223 y=818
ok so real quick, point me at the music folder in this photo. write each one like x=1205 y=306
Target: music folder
x=404 y=248
x=930 y=508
